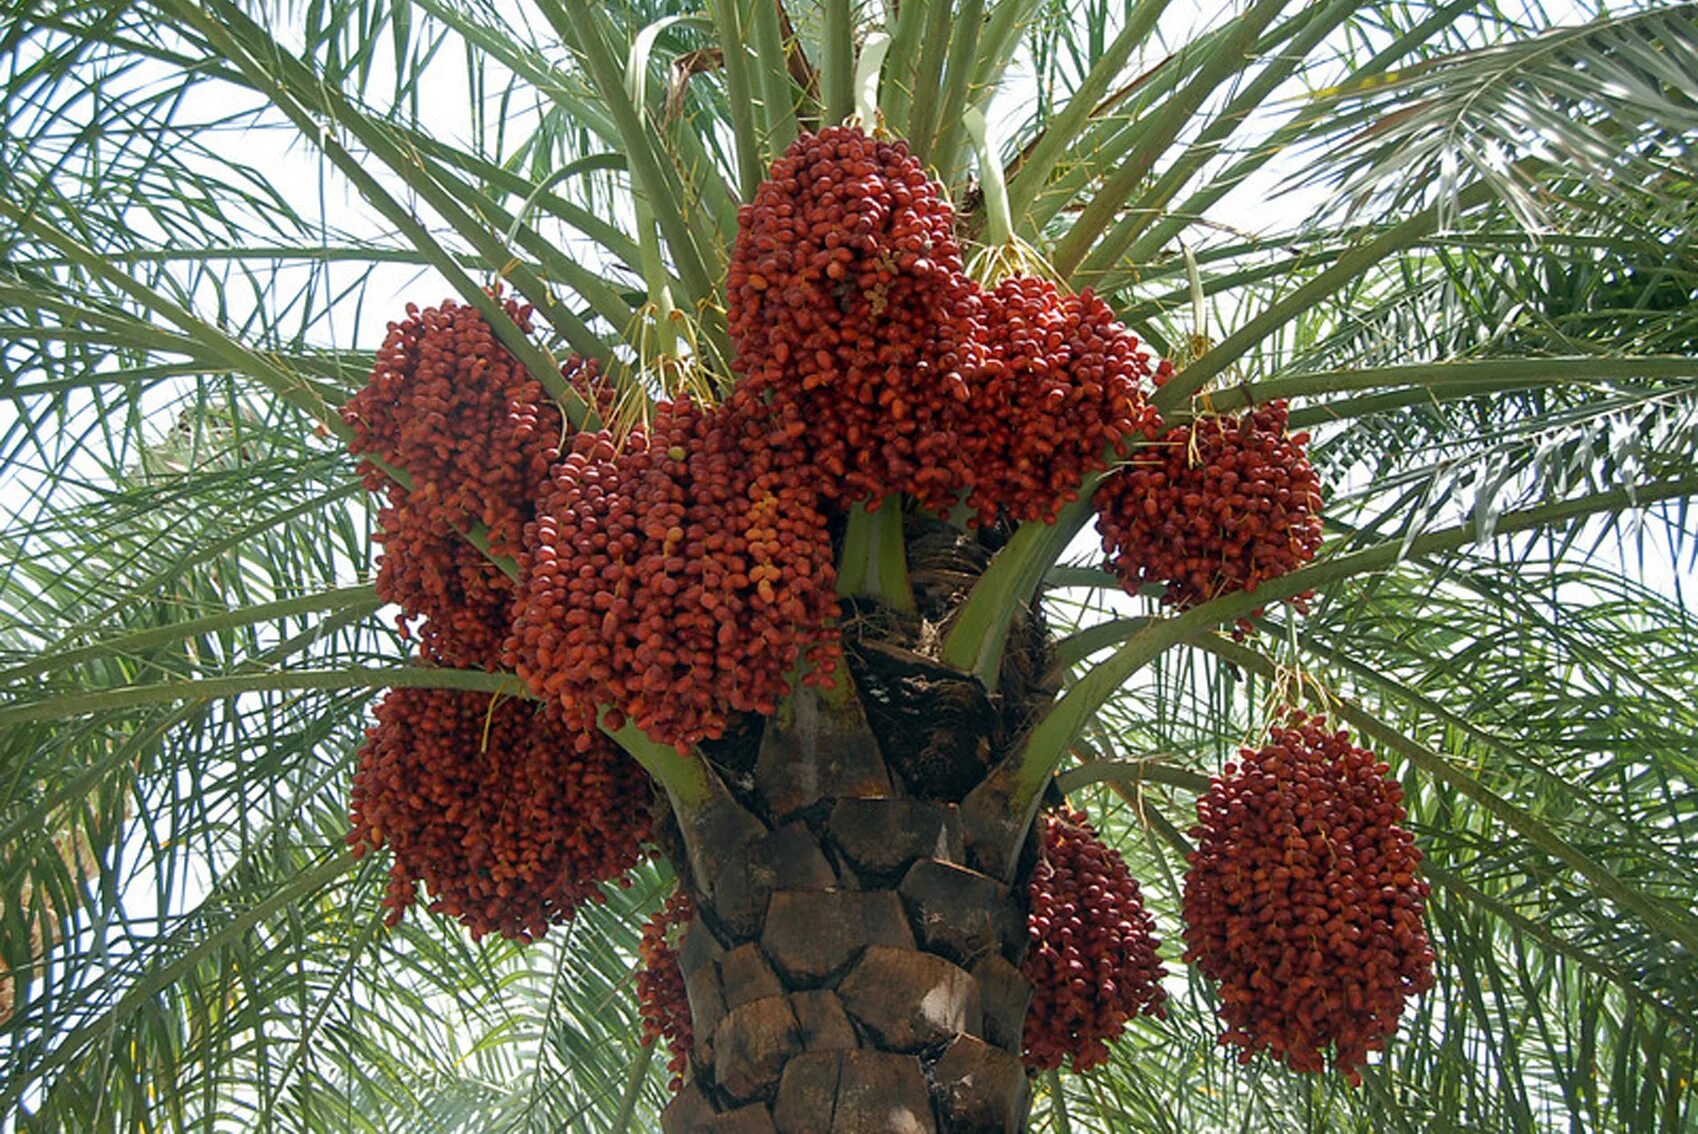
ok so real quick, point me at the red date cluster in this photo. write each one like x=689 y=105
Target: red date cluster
x=679 y=578
x=661 y=998
x=460 y=598
x=509 y=818
x=1092 y=954
x=1303 y=902
x=847 y=299
x=1062 y=382
x=449 y=405
x=1217 y=506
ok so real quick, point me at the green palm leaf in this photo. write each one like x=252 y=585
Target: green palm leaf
x=1478 y=295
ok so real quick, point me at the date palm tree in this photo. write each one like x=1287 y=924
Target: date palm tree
x=1456 y=237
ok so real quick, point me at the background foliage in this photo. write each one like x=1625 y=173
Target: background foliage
x=1477 y=285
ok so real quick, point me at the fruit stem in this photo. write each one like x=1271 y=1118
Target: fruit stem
x=683 y=777
x=980 y=627
x=874 y=562
x=1058 y=1104
x=837 y=71
x=867 y=70
x=999 y=220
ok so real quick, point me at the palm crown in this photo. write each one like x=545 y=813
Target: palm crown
x=1486 y=325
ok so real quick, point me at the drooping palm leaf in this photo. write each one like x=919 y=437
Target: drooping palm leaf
x=210 y=211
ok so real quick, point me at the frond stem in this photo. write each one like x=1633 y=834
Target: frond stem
x=874 y=560
x=357 y=600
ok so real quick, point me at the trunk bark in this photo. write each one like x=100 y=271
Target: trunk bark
x=849 y=969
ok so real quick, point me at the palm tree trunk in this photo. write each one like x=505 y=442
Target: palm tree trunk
x=848 y=969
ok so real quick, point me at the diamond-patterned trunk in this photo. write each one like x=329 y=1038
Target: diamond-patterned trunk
x=849 y=970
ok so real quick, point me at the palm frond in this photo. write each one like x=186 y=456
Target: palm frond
x=1586 y=116
x=210 y=211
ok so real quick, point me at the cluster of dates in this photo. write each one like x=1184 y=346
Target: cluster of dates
x=681 y=575
x=1091 y=953
x=848 y=299
x=662 y=1000
x=510 y=818
x=1303 y=901
x=508 y=813
x=473 y=435
x=1220 y=505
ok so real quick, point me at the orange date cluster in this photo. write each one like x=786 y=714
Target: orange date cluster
x=1062 y=384
x=662 y=1000
x=1091 y=953
x=1218 y=506
x=460 y=599
x=847 y=299
x=680 y=577
x=448 y=405
x=1303 y=902
x=508 y=819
